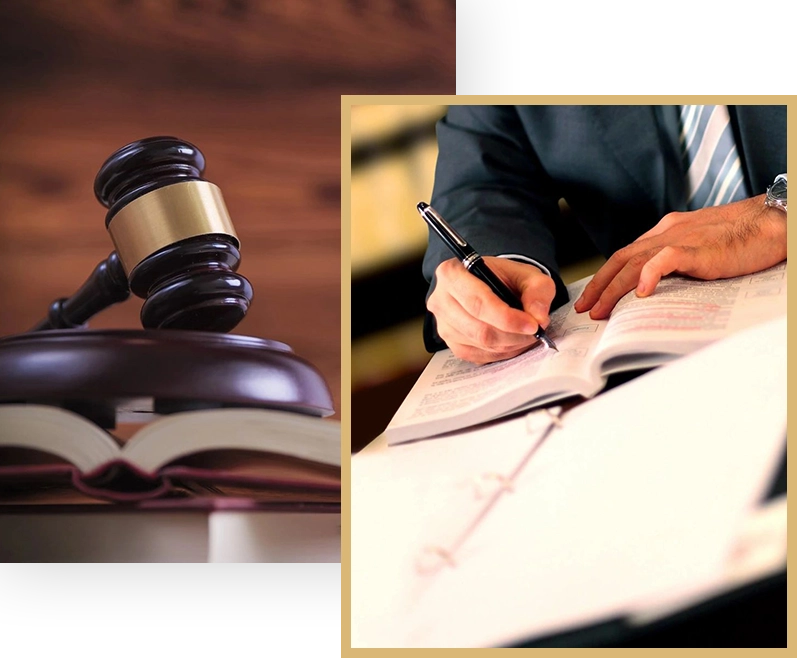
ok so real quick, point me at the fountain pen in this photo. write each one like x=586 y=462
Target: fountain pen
x=474 y=263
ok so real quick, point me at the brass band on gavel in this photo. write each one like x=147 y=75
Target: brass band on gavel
x=167 y=215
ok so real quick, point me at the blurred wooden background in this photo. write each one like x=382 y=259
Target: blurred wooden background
x=256 y=85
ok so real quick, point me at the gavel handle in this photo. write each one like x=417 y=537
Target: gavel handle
x=107 y=285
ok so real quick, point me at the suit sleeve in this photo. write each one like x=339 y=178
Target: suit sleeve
x=490 y=185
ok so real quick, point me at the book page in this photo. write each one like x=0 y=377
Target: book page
x=758 y=552
x=453 y=393
x=266 y=430
x=641 y=494
x=409 y=497
x=58 y=432
x=684 y=314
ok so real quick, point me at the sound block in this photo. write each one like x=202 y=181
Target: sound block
x=121 y=374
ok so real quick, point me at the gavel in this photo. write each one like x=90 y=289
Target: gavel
x=175 y=245
x=176 y=248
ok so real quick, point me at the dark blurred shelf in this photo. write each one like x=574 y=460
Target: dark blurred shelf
x=374 y=406
x=402 y=141
x=387 y=297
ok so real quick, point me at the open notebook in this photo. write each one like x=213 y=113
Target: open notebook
x=629 y=504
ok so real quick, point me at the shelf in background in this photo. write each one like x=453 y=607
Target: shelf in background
x=393 y=156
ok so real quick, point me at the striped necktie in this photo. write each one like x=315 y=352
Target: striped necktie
x=711 y=161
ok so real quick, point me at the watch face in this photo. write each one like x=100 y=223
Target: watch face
x=778 y=190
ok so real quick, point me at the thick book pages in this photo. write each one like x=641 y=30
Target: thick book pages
x=681 y=316
x=523 y=528
x=271 y=456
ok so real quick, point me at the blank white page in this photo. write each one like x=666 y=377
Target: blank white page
x=640 y=495
x=408 y=496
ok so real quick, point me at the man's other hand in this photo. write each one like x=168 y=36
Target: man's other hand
x=712 y=243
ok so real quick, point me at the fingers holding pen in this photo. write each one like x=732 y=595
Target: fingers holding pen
x=480 y=343
x=476 y=324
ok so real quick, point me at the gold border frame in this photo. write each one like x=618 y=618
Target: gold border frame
x=347 y=101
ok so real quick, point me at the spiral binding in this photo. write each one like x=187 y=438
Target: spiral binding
x=435 y=557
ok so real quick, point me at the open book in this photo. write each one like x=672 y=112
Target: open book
x=681 y=316
x=271 y=457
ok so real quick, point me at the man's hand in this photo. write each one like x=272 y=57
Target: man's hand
x=479 y=327
x=712 y=243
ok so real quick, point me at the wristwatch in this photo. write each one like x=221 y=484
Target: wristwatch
x=776 y=193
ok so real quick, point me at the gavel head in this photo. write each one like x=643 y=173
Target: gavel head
x=173 y=236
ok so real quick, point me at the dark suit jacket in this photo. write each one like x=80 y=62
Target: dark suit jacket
x=501 y=171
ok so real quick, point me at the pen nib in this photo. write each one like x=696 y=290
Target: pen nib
x=549 y=343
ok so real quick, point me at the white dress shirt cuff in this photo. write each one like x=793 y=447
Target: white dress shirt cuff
x=526 y=259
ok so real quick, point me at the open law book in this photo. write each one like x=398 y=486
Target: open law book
x=631 y=505
x=272 y=457
x=681 y=316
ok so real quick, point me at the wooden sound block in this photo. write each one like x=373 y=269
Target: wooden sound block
x=100 y=373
